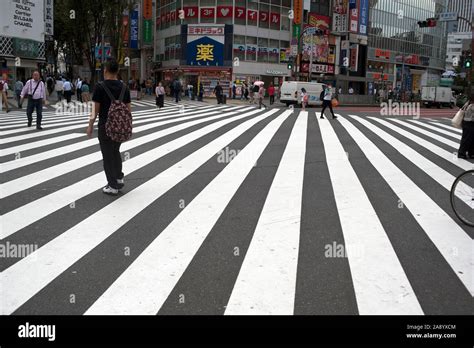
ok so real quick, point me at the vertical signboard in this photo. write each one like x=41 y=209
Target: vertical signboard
x=297 y=11
x=134 y=30
x=354 y=11
x=363 y=16
x=147 y=25
x=49 y=19
x=125 y=26
x=339 y=17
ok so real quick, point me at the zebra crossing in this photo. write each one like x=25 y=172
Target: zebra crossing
x=235 y=210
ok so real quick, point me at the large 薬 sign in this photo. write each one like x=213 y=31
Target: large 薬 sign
x=23 y=19
x=205 y=45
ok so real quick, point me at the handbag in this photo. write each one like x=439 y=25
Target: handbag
x=457 y=119
x=334 y=102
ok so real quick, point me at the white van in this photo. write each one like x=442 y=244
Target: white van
x=291 y=92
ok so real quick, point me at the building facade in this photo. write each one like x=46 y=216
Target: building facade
x=402 y=55
x=464 y=9
x=22 y=37
x=223 y=41
x=457 y=42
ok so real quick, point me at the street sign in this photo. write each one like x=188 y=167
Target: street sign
x=448 y=16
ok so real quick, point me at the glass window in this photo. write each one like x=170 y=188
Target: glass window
x=263 y=21
x=275 y=18
x=251 y=48
x=252 y=6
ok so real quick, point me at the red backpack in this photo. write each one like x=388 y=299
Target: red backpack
x=118 y=126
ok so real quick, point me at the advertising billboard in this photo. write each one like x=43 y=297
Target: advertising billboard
x=205 y=45
x=25 y=21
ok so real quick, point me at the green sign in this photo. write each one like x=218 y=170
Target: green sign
x=147 y=32
x=25 y=48
x=296 y=30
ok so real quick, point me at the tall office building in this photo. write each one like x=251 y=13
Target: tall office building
x=465 y=9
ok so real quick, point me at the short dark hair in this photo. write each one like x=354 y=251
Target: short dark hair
x=112 y=66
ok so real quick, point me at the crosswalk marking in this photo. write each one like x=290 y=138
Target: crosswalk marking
x=266 y=277
x=23 y=216
x=32 y=273
x=86 y=143
x=36 y=178
x=429 y=215
x=379 y=279
x=175 y=246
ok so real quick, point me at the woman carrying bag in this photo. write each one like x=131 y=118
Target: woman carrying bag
x=466 y=114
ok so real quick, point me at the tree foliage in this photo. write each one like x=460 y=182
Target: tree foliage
x=80 y=25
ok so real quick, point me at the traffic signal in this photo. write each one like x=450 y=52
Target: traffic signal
x=290 y=66
x=430 y=22
x=468 y=62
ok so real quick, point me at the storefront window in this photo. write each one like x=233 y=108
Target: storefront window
x=239 y=47
x=251 y=48
x=264 y=16
x=252 y=12
x=262 y=55
x=224 y=14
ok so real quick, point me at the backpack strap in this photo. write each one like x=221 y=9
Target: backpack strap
x=122 y=93
x=107 y=90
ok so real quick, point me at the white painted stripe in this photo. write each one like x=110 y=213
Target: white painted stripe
x=380 y=284
x=22 y=183
x=25 y=215
x=427 y=133
x=434 y=220
x=451 y=128
x=69 y=124
x=437 y=129
x=267 y=279
x=23 y=161
x=175 y=246
x=437 y=173
x=83 y=118
x=29 y=275
x=439 y=151
x=39 y=143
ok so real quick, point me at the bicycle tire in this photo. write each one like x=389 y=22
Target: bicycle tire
x=459 y=215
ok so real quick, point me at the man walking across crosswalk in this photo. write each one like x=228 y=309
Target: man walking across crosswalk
x=35 y=91
x=110 y=149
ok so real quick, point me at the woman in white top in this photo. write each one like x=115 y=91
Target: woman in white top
x=160 y=95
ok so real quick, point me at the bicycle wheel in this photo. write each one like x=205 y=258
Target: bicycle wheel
x=462 y=197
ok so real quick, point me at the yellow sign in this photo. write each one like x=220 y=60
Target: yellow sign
x=205 y=52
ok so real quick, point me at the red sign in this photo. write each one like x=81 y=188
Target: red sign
x=147 y=9
x=168 y=17
x=210 y=30
x=275 y=18
x=354 y=18
x=379 y=53
x=125 y=31
x=240 y=12
x=191 y=11
x=208 y=12
x=263 y=16
x=252 y=15
x=318 y=21
x=298 y=11
x=224 y=11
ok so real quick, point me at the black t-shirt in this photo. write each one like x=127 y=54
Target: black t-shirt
x=100 y=96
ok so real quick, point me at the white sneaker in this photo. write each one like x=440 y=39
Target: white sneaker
x=110 y=190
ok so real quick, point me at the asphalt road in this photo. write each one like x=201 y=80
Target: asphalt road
x=228 y=209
